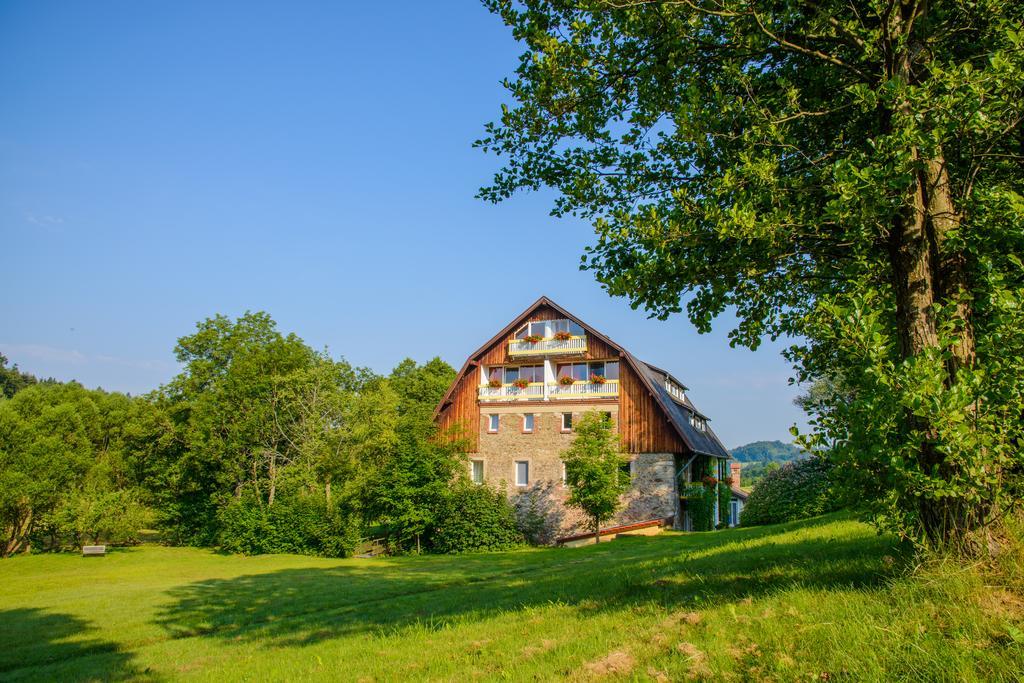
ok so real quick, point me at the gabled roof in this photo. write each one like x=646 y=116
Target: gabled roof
x=699 y=442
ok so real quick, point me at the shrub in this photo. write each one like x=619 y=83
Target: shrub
x=475 y=518
x=794 y=491
x=303 y=524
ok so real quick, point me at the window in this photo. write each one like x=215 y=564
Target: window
x=522 y=473
x=492 y=423
x=584 y=371
x=495 y=373
x=611 y=369
x=537 y=328
x=566 y=422
x=476 y=471
x=566 y=326
x=699 y=423
x=577 y=371
x=511 y=375
x=528 y=422
x=674 y=390
x=734 y=512
x=532 y=373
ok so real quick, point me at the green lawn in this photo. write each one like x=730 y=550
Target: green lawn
x=822 y=599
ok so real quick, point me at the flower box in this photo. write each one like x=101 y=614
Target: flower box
x=532 y=338
x=521 y=383
x=563 y=336
x=494 y=384
x=566 y=381
x=598 y=379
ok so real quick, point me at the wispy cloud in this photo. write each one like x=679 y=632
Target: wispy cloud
x=52 y=354
x=43 y=220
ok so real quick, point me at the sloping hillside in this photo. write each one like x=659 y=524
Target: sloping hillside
x=823 y=599
x=768 y=451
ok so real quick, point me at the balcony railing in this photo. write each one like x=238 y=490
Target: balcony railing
x=584 y=390
x=574 y=344
x=536 y=391
x=510 y=392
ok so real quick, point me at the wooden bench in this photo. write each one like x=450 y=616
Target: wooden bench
x=94 y=550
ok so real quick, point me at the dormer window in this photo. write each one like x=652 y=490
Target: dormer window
x=699 y=423
x=674 y=390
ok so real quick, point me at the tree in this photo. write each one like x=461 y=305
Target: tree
x=593 y=469
x=13 y=380
x=407 y=477
x=848 y=175
x=252 y=408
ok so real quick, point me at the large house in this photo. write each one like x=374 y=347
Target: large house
x=517 y=397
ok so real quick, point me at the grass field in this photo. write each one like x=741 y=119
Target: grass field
x=825 y=599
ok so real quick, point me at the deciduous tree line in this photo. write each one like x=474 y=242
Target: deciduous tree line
x=260 y=444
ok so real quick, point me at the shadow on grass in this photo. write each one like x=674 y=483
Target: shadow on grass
x=39 y=645
x=301 y=606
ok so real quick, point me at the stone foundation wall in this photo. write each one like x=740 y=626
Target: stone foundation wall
x=541 y=504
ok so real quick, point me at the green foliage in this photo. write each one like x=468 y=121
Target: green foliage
x=92 y=515
x=724 y=498
x=475 y=518
x=796 y=490
x=700 y=503
x=753 y=473
x=72 y=465
x=814 y=169
x=593 y=468
x=767 y=451
x=302 y=524
x=13 y=380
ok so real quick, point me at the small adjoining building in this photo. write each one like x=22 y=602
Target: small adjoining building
x=516 y=399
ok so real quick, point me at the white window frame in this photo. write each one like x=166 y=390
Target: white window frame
x=493 y=423
x=516 y=465
x=472 y=464
x=562 y=417
x=532 y=420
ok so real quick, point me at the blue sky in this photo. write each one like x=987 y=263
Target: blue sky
x=163 y=162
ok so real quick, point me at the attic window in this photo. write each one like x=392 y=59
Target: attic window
x=674 y=390
x=699 y=423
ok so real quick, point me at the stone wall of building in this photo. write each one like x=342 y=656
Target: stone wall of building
x=541 y=503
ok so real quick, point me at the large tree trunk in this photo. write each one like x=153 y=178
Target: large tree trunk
x=926 y=272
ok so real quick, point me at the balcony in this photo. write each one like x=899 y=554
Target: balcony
x=510 y=392
x=537 y=391
x=549 y=346
x=609 y=389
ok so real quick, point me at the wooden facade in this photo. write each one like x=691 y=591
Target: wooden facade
x=643 y=424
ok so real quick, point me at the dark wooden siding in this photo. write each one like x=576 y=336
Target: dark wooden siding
x=461 y=418
x=642 y=422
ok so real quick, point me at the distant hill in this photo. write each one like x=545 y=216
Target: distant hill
x=768 y=451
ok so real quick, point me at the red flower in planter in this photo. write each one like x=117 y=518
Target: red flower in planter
x=532 y=338
x=598 y=379
x=710 y=481
x=521 y=383
x=566 y=381
x=563 y=336
x=494 y=384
